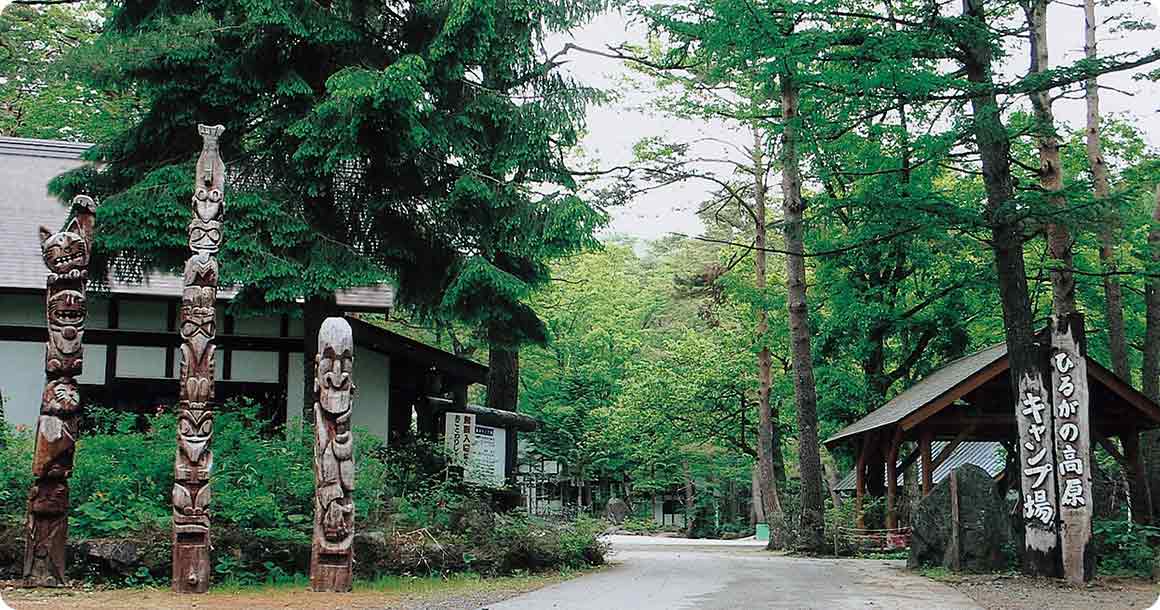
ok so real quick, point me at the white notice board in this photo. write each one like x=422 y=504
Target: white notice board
x=488 y=455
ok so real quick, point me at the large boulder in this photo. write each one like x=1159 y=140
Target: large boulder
x=616 y=510
x=983 y=524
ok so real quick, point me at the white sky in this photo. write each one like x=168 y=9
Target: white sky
x=615 y=128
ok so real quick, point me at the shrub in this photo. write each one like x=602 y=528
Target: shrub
x=1125 y=548
x=412 y=518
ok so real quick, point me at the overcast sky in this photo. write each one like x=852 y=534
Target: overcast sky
x=615 y=128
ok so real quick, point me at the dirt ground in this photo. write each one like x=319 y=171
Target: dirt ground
x=1022 y=592
x=455 y=596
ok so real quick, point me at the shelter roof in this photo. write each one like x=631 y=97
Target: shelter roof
x=929 y=389
x=952 y=382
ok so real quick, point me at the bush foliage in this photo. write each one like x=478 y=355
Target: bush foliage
x=412 y=519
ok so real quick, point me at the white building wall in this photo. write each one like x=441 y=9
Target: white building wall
x=22 y=309
x=294 y=387
x=253 y=366
x=372 y=375
x=137 y=361
x=21 y=380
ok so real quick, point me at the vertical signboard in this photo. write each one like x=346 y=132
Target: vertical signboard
x=1072 y=444
x=459 y=436
x=1037 y=457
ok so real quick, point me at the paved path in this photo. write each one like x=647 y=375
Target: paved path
x=674 y=574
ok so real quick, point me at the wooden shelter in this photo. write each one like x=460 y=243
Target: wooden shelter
x=971 y=399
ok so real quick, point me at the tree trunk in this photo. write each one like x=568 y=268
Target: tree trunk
x=812 y=535
x=1113 y=296
x=690 y=501
x=503 y=388
x=1151 y=372
x=1007 y=245
x=771 y=503
x=315 y=309
x=503 y=373
x=1050 y=172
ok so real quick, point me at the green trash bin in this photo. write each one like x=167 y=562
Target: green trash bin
x=763 y=532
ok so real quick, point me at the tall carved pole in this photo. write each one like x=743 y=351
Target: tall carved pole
x=194 y=459
x=331 y=554
x=66 y=254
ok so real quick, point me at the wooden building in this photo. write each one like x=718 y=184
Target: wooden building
x=971 y=399
x=131 y=342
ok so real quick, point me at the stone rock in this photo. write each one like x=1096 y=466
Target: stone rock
x=616 y=510
x=118 y=555
x=983 y=524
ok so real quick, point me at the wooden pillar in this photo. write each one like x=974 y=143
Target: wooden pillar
x=66 y=254
x=860 y=484
x=924 y=441
x=331 y=556
x=892 y=483
x=1137 y=478
x=194 y=456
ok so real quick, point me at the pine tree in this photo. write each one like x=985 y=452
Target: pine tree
x=418 y=142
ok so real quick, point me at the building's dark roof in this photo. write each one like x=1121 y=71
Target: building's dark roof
x=985 y=455
x=26 y=166
x=931 y=387
x=416 y=352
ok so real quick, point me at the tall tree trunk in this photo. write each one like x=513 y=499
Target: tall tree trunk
x=1152 y=299
x=1007 y=245
x=1050 y=171
x=503 y=387
x=1113 y=296
x=503 y=373
x=767 y=479
x=1150 y=444
x=690 y=501
x=812 y=534
x=315 y=309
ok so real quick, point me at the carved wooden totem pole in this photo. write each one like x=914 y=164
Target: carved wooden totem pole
x=66 y=254
x=331 y=555
x=194 y=459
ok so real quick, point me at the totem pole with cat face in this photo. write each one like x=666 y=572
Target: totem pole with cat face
x=66 y=254
x=332 y=555
x=194 y=459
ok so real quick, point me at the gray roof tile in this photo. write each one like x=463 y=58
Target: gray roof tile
x=26 y=166
x=923 y=392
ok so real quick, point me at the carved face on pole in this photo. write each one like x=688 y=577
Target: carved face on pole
x=66 y=318
x=61 y=397
x=333 y=381
x=64 y=252
x=194 y=430
x=205 y=236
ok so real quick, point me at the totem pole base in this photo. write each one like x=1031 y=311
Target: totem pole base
x=190 y=566
x=44 y=558
x=330 y=573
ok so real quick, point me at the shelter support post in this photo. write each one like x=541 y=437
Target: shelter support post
x=860 y=482
x=924 y=441
x=892 y=483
